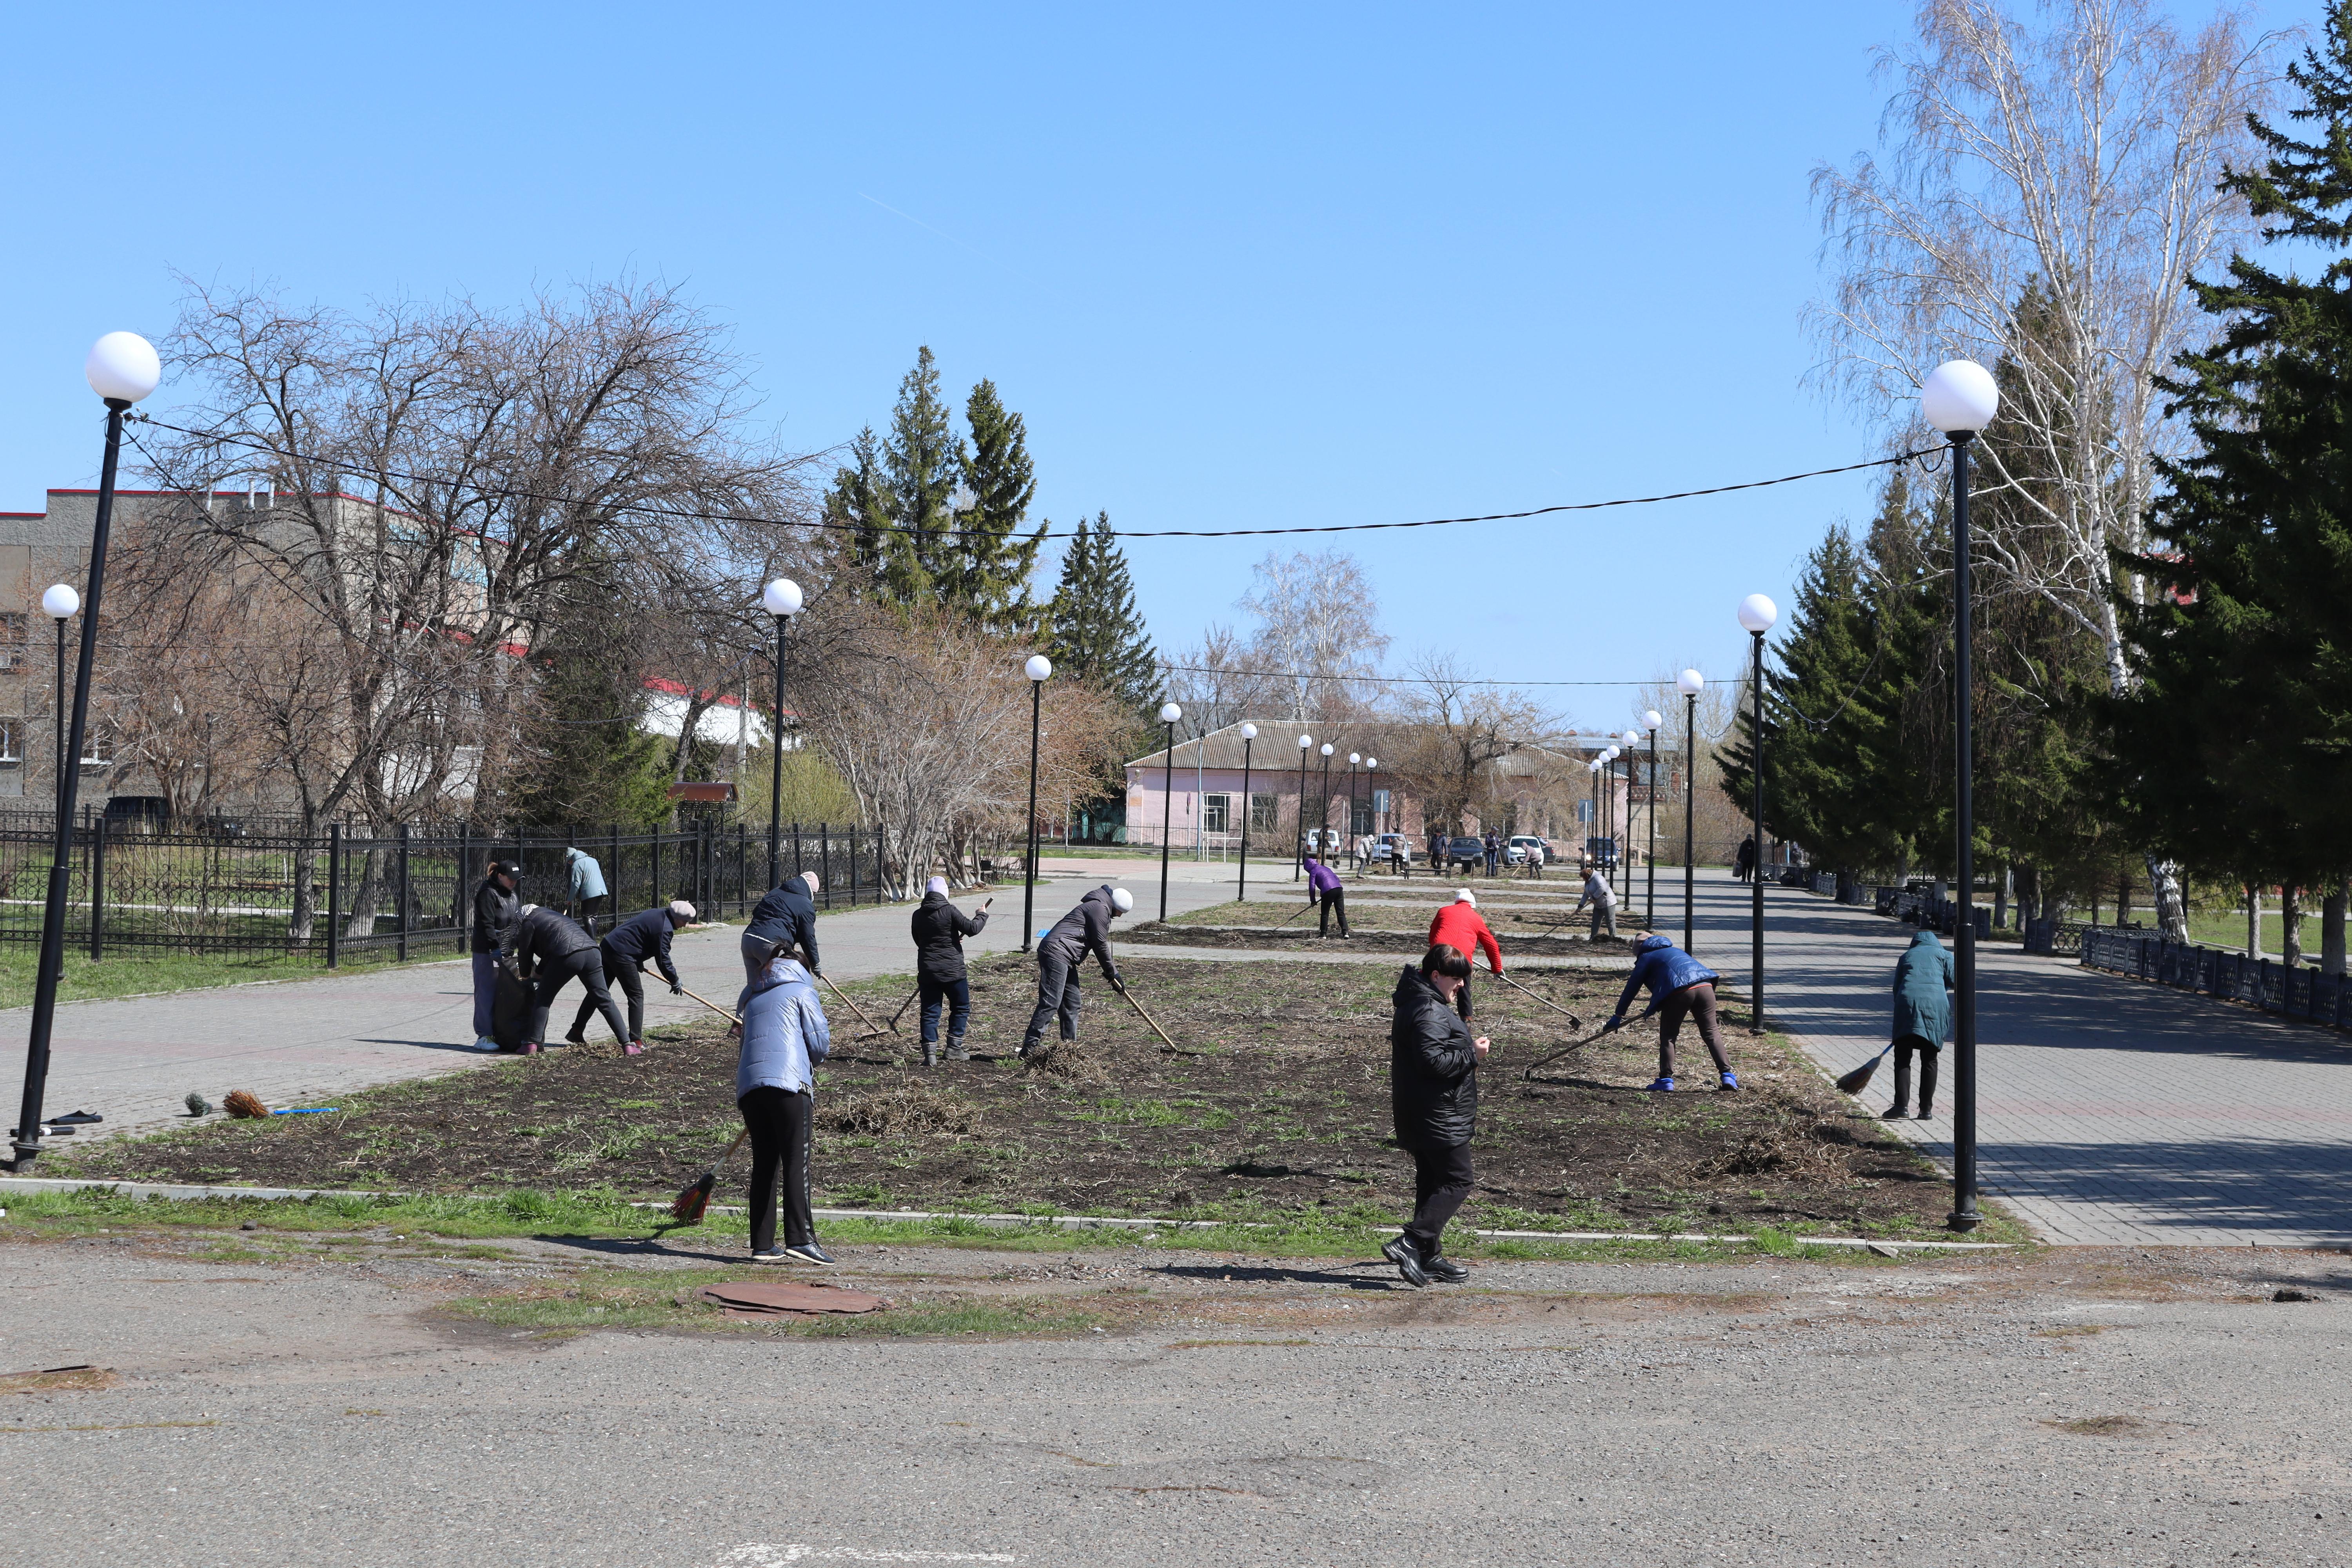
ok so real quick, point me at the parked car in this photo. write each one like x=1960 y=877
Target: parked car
x=1393 y=848
x=1525 y=847
x=1465 y=851
x=1318 y=840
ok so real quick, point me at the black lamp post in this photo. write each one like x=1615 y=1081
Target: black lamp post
x=1355 y=759
x=1690 y=683
x=1960 y=398
x=60 y=604
x=782 y=599
x=1651 y=720
x=1168 y=713
x=1371 y=804
x=122 y=369
x=1323 y=809
x=1249 y=735
x=1039 y=670
x=1298 y=850
x=1757 y=613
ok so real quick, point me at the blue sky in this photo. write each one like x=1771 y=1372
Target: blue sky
x=1239 y=267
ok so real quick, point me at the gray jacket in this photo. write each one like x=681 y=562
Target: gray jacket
x=784 y=1031
x=1085 y=930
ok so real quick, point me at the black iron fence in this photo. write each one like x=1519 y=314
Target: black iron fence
x=2295 y=991
x=354 y=892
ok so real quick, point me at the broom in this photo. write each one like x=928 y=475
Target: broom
x=1858 y=1079
x=694 y=1198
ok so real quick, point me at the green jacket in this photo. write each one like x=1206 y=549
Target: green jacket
x=1923 y=984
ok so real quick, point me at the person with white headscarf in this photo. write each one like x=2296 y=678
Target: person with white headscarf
x=939 y=928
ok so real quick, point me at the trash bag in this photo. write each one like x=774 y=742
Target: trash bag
x=510 y=1011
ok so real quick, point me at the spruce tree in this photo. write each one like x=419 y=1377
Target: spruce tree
x=990 y=563
x=1094 y=632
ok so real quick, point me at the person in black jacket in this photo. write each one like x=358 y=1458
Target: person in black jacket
x=623 y=953
x=1084 y=929
x=1433 y=1089
x=787 y=915
x=495 y=909
x=549 y=949
x=939 y=928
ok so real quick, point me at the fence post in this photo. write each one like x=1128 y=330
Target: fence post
x=612 y=886
x=824 y=858
x=334 y=893
x=853 y=867
x=880 y=864
x=404 y=892
x=659 y=899
x=97 y=889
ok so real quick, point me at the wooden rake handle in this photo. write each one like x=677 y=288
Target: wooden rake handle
x=713 y=1006
x=854 y=1007
x=1148 y=1018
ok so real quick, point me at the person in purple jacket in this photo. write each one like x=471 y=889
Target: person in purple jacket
x=1680 y=986
x=1323 y=886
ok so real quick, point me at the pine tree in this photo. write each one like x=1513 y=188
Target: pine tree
x=2235 y=751
x=990 y=565
x=1093 y=630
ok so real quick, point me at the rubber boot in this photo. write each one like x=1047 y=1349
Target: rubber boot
x=956 y=1052
x=931 y=1053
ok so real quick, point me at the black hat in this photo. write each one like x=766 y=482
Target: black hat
x=506 y=868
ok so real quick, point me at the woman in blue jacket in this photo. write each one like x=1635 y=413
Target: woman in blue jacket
x=1923 y=1016
x=1680 y=986
x=784 y=1037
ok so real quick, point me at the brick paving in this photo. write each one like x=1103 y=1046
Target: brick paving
x=2109 y=1111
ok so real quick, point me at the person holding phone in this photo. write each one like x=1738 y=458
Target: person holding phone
x=939 y=928
x=1433 y=1090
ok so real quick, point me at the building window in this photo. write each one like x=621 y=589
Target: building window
x=1266 y=812
x=1214 y=809
x=11 y=737
x=1361 y=818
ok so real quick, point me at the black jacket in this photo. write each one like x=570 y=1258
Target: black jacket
x=546 y=932
x=495 y=909
x=788 y=914
x=1085 y=930
x=644 y=936
x=1433 y=1068
x=939 y=928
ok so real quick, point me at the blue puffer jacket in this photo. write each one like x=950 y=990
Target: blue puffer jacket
x=784 y=1031
x=1664 y=968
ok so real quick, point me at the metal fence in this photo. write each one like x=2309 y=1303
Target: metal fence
x=404 y=892
x=2295 y=992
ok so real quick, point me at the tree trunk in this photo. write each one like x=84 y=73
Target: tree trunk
x=2001 y=899
x=2291 y=918
x=374 y=883
x=2331 y=929
x=2253 y=921
x=2123 y=897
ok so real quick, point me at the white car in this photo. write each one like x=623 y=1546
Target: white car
x=1525 y=849
x=1392 y=847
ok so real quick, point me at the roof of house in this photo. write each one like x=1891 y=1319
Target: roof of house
x=1275 y=747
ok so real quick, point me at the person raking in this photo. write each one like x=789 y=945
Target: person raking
x=1680 y=987
x=786 y=914
x=939 y=928
x=1323 y=886
x=1924 y=980
x=785 y=1034
x=1433 y=1096
x=1085 y=930
x=1603 y=899
x=1459 y=925
x=623 y=952
x=550 y=950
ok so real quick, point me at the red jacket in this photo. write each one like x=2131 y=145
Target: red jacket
x=1460 y=925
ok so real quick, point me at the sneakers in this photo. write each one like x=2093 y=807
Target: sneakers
x=484 y=1043
x=1443 y=1268
x=1408 y=1262
x=528 y=1048
x=1731 y=1081
x=1663 y=1086
x=774 y=1255
x=633 y=1048
x=808 y=1252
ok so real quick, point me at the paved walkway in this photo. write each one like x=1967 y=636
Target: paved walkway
x=2108 y=1111
x=134 y=1059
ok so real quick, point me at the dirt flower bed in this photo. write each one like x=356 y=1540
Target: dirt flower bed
x=1275 y=1100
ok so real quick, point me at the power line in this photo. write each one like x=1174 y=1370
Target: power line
x=681 y=514
x=1411 y=680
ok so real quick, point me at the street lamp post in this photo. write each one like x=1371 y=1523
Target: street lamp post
x=1757 y=613
x=1372 y=800
x=1249 y=735
x=1168 y=713
x=1632 y=744
x=1690 y=683
x=1039 y=670
x=1354 y=757
x=1323 y=807
x=1960 y=398
x=782 y=599
x=60 y=604
x=1298 y=850
x=1608 y=782
x=122 y=369
x=1651 y=720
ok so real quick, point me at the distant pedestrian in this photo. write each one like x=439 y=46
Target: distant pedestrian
x=786 y=914
x=1433 y=1098
x=1743 y=864
x=1437 y=852
x=1680 y=987
x=1494 y=852
x=939 y=928
x=1459 y=925
x=588 y=890
x=1924 y=981
x=550 y=950
x=497 y=907
x=1085 y=930
x=623 y=952
x=1323 y=886
x=784 y=1037
x=1603 y=899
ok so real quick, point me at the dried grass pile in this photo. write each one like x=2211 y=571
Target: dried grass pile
x=908 y=1109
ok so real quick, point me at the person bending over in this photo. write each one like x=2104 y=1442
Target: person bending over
x=1603 y=899
x=1433 y=1094
x=939 y=928
x=1459 y=925
x=1084 y=929
x=1680 y=986
x=1923 y=1015
x=1323 y=888
x=788 y=915
x=784 y=1037
x=550 y=950
x=623 y=952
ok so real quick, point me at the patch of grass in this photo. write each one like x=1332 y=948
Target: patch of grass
x=133 y=971
x=2098 y=1426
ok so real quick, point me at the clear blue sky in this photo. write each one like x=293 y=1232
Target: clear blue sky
x=1237 y=266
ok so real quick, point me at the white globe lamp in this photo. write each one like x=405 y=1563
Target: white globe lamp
x=122 y=367
x=1039 y=667
x=782 y=598
x=1758 y=611
x=1960 y=398
x=59 y=602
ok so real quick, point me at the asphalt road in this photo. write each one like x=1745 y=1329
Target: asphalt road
x=2109 y=1408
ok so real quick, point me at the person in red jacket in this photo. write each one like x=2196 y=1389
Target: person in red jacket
x=1459 y=926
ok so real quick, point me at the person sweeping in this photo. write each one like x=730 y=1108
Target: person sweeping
x=1603 y=899
x=1085 y=930
x=1433 y=1096
x=784 y=1037
x=1924 y=981
x=1323 y=888
x=623 y=952
x=1460 y=926
x=939 y=928
x=1680 y=987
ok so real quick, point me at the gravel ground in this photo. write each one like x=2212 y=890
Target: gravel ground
x=312 y=1405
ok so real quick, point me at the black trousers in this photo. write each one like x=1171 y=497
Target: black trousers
x=1441 y=1180
x=1334 y=901
x=1691 y=1001
x=1462 y=999
x=1058 y=993
x=632 y=982
x=587 y=966
x=1928 y=1053
x=956 y=994
x=778 y=1122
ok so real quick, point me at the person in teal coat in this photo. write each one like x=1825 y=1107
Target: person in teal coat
x=1923 y=1016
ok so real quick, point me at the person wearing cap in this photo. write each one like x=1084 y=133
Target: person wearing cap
x=786 y=1037
x=1458 y=925
x=625 y=950
x=497 y=907
x=788 y=915
x=939 y=928
x=549 y=949
x=1084 y=929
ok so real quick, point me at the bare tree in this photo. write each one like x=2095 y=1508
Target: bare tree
x=1318 y=632
x=1457 y=726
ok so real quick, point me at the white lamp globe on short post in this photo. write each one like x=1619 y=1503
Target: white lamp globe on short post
x=780 y=598
x=1249 y=738
x=1354 y=760
x=1039 y=670
x=1960 y=398
x=60 y=604
x=1168 y=713
x=1651 y=720
x=1756 y=614
x=1298 y=849
x=1690 y=683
